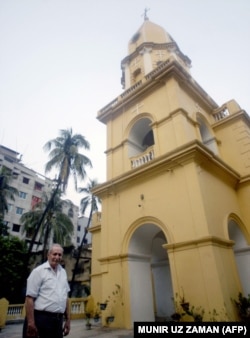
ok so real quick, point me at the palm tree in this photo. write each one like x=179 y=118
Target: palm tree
x=6 y=192
x=89 y=201
x=64 y=155
x=56 y=225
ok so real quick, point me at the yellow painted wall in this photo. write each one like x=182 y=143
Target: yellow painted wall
x=189 y=191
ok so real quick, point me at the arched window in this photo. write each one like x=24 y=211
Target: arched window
x=140 y=137
x=140 y=142
x=206 y=133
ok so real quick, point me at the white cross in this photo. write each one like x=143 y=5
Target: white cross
x=136 y=109
x=145 y=13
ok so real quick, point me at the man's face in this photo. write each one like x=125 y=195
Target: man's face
x=55 y=256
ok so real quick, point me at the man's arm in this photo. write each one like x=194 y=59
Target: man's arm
x=66 y=327
x=31 y=326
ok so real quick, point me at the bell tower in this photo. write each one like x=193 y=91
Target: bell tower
x=175 y=200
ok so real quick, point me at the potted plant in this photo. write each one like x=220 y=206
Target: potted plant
x=185 y=312
x=88 y=324
x=111 y=303
x=103 y=306
x=89 y=310
x=110 y=319
x=96 y=315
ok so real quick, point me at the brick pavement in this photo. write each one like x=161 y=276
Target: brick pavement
x=78 y=330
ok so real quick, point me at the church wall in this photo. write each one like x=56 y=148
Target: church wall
x=207 y=276
x=234 y=137
x=205 y=201
x=219 y=199
x=96 y=274
x=243 y=194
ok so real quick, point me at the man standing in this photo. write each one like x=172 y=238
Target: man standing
x=46 y=301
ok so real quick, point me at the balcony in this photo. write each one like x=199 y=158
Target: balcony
x=143 y=158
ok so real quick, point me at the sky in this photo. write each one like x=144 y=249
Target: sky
x=60 y=63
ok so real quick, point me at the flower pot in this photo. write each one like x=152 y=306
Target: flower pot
x=110 y=319
x=185 y=306
x=96 y=319
x=103 y=306
x=88 y=326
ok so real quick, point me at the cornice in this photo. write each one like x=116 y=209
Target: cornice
x=157 y=77
x=200 y=242
x=193 y=151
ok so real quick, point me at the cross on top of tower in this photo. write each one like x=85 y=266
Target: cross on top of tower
x=145 y=14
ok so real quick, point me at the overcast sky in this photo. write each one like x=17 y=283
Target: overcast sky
x=60 y=63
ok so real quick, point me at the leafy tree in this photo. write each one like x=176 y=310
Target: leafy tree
x=88 y=201
x=56 y=224
x=7 y=192
x=13 y=267
x=65 y=157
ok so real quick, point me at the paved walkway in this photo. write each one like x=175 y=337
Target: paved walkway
x=78 y=330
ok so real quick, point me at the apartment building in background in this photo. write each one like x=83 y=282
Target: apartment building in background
x=30 y=186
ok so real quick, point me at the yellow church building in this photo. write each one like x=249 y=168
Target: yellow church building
x=175 y=218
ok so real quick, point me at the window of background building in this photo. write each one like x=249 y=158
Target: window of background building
x=10 y=207
x=22 y=195
x=78 y=239
x=16 y=227
x=38 y=186
x=19 y=211
x=78 y=228
x=26 y=180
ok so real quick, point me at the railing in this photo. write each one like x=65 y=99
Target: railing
x=221 y=114
x=108 y=106
x=16 y=312
x=142 y=159
x=77 y=309
x=158 y=70
x=131 y=89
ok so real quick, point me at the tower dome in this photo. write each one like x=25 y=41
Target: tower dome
x=148 y=48
x=149 y=32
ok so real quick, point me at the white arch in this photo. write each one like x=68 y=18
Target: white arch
x=241 y=251
x=149 y=269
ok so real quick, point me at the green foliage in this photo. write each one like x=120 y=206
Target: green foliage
x=13 y=268
x=243 y=307
x=65 y=156
x=196 y=313
x=183 y=308
x=55 y=223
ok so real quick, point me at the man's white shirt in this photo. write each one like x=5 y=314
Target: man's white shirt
x=48 y=288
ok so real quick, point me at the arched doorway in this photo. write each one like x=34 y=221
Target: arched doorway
x=241 y=253
x=151 y=291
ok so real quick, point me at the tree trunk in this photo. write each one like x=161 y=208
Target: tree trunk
x=79 y=253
